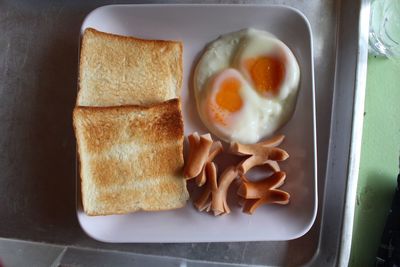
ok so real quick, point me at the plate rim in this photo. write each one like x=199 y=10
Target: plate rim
x=311 y=222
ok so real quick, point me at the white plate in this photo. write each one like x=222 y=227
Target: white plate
x=196 y=25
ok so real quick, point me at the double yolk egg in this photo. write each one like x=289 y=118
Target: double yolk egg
x=246 y=85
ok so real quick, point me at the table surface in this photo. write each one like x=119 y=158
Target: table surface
x=36 y=61
x=379 y=163
x=37 y=94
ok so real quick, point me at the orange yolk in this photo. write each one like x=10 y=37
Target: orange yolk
x=227 y=99
x=228 y=96
x=267 y=74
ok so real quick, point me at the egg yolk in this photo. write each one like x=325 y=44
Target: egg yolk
x=266 y=73
x=228 y=96
x=227 y=99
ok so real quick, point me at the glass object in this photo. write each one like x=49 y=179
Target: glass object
x=384 y=33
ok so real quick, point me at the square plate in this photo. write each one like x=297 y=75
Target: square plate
x=197 y=25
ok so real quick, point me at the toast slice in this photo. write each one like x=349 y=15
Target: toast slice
x=131 y=158
x=120 y=70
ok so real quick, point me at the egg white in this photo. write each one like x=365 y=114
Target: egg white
x=257 y=43
x=260 y=116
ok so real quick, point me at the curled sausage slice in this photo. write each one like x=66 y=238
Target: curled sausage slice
x=215 y=194
x=256 y=193
x=275 y=196
x=199 y=148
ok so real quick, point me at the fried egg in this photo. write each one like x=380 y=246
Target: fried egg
x=246 y=85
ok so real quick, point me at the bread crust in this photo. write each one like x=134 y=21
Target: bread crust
x=122 y=70
x=131 y=157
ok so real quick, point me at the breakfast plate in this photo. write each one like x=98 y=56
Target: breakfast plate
x=196 y=26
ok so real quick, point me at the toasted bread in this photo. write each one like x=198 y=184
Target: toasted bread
x=120 y=70
x=131 y=158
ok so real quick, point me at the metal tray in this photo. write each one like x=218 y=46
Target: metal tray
x=38 y=70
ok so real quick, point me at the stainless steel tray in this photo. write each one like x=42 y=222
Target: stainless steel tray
x=37 y=190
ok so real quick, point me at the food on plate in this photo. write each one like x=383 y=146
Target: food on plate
x=128 y=124
x=131 y=158
x=252 y=194
x=245 y=85
x=265 y=152
x=202 y=149
x=120 y=70
x=256 y=193
x=215 y=193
